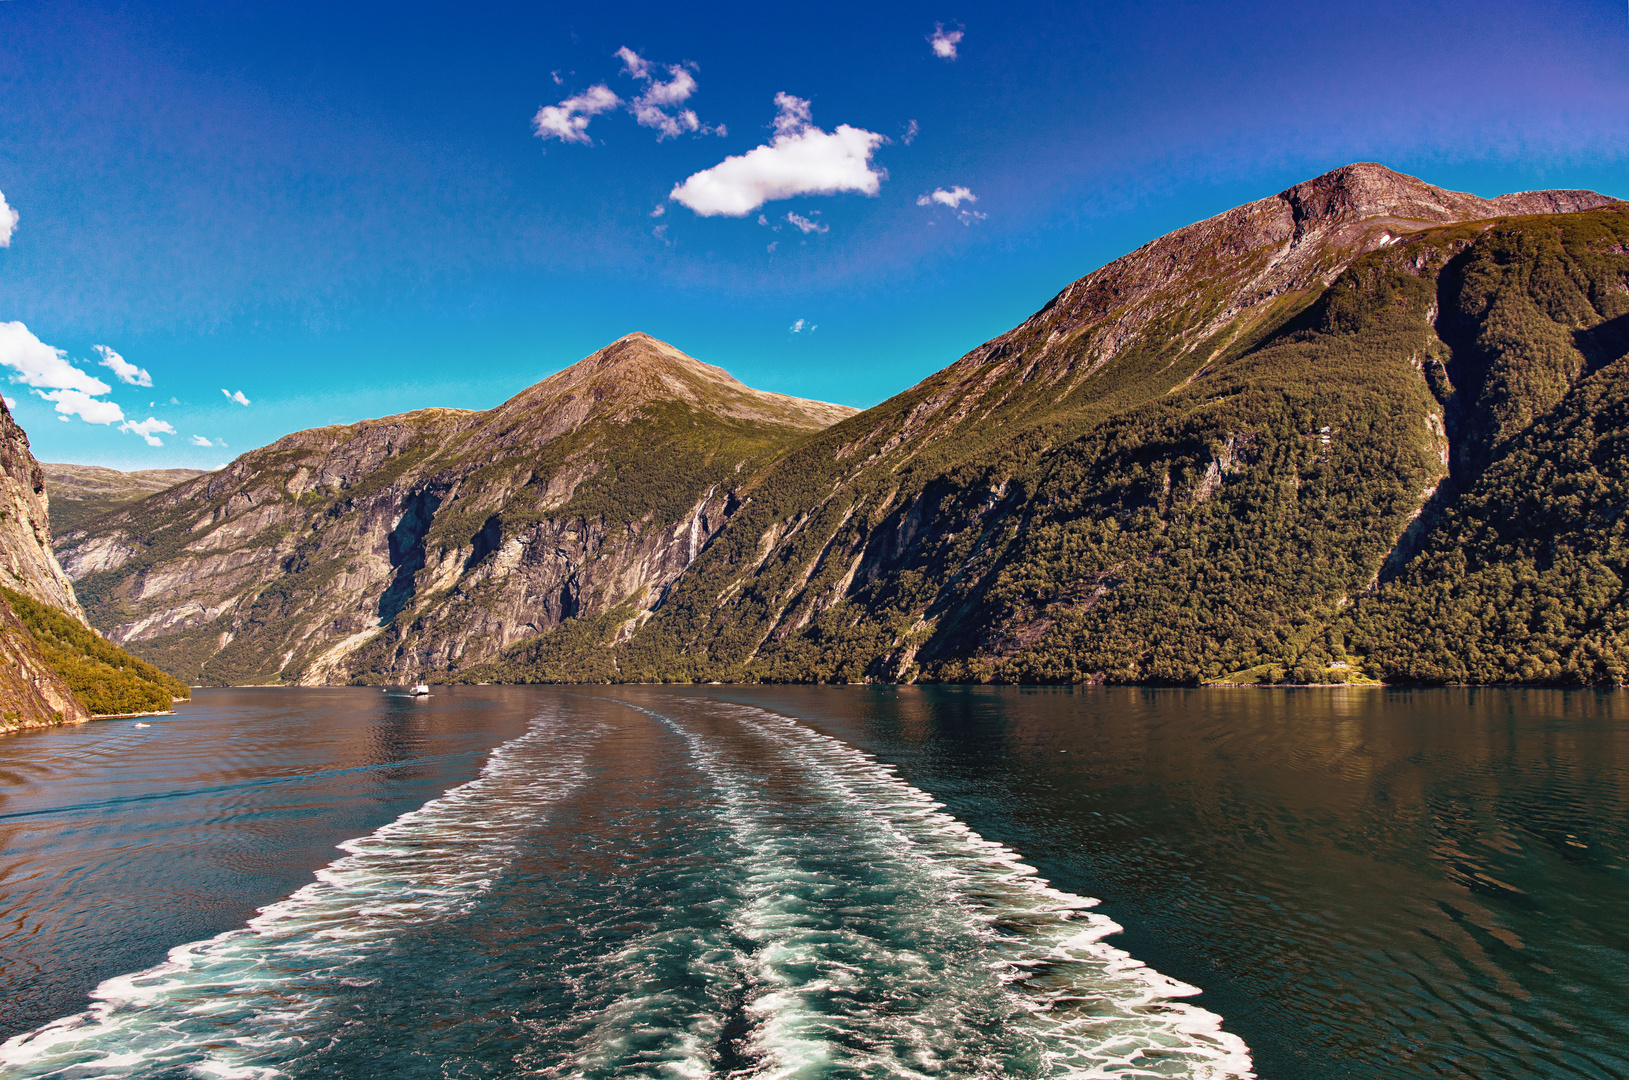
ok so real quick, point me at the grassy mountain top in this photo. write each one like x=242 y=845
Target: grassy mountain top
x=79 y=493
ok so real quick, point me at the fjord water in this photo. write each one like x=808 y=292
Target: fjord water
x=730 y=881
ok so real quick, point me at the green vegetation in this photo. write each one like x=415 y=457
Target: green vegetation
x=1180 y=517
x=106 y=679
x=1522 y=579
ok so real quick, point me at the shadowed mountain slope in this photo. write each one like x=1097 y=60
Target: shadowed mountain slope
x=431 y=540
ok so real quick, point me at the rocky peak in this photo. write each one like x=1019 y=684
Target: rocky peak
x=1365 y=191
x=26 y=560
x=1237 y=264
x=638 y=369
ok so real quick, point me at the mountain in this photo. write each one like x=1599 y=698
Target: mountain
x=78 y=493
x=1280 y=444
x=432 y=540
x=53 y=667
x=1187 y=467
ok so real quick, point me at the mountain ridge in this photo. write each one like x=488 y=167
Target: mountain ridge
x=980 y=525
x=374 y=543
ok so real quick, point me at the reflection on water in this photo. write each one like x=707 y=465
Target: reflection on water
x=692 y=881
x=118 y=842
x=1366 y=883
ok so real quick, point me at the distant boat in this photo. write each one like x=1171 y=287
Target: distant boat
x=420 y=690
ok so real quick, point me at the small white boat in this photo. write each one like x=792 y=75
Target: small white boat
x=420 y=690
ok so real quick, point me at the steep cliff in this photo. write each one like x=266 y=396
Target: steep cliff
x=53 y=667
x=432 y=540
x=27 y=563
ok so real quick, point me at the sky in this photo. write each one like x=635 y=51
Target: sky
x=220 y=223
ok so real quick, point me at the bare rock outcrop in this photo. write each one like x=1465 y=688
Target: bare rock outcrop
x=27 y=562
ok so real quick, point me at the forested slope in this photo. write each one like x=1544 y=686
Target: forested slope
x=1248 y=503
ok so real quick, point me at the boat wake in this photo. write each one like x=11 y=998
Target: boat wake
x=691 y=889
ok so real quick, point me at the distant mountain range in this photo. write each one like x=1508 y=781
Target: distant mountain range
x=1364 y=429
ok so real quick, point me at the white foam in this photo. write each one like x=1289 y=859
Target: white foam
x=1086 y=1008
x=428 y=864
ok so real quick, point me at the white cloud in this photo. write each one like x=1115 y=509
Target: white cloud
x=568 y=121
x=8 y=221
x=910 y=133
x=944 y=43
x=797 y=327
x=635 y=65
x=146 y=428
x=661 y=209
x=78 y=403
x=800 y=160
x=11 y=402
x=199 y=440
x=657 y=107
x=952 y=198
x=236 y=396
x=967 y=217
x=806 y=225
x=39 y=364
x=124 y=369
x=773 y=244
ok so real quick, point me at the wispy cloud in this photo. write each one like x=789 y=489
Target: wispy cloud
x=147 y=429
x=568 y=121
x=797 y=327
x=944 y=41
x=911 y=131
x=199 y=440
x=8 y=221
x=806 y=225
x=800 y=160
x=124 y=369
x=657 y=107
x=951 y=198
x=237 y=396
x=11 y=402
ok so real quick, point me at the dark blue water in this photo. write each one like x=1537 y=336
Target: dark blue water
x=822 y=882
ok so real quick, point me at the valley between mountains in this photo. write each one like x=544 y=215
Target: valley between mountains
x=1365 y=429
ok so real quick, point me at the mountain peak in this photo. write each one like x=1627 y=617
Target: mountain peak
x=1366 y=190
x=638 y=369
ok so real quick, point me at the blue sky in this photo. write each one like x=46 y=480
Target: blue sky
x=345 y=210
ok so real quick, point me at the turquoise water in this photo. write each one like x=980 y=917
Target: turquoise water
x=822 y=882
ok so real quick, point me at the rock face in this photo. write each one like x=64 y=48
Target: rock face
x=32 y=694
x=27 y=563
x=432 y=540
